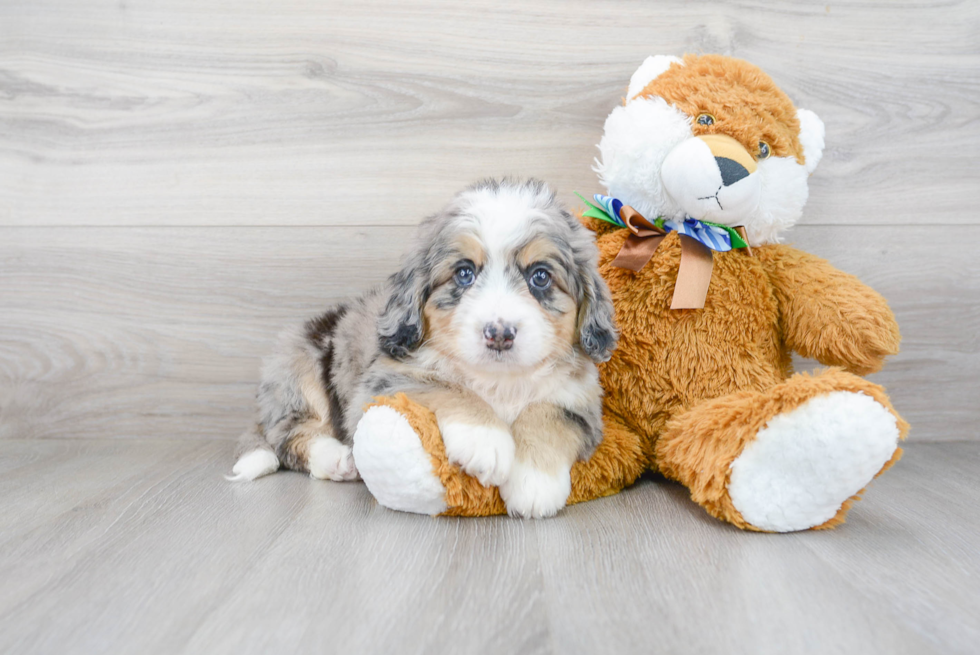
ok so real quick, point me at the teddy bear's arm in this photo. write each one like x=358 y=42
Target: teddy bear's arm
x=827 y=314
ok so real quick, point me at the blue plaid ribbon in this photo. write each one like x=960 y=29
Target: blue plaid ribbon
x=611 y=206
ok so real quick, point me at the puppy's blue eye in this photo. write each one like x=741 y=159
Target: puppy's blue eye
x=464 y=276
x=540 y=278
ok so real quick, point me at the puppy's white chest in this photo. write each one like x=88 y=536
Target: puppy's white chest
x=507 y=411
x=509 y=400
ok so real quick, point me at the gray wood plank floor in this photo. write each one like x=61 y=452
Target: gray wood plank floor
x=120 y=546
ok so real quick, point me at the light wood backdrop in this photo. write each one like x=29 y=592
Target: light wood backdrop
x=181 y=178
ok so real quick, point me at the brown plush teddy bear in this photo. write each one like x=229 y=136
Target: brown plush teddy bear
x=706 y=165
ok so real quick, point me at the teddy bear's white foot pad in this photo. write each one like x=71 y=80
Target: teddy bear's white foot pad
x=805 y=463
x=393 y=464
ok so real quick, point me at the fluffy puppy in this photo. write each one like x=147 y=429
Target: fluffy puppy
x=494 y=323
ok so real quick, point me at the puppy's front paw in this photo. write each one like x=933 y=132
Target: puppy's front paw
x=483 y=451
x=533 y=494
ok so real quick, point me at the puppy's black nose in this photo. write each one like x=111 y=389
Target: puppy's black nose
x=499 y=336
x=731 y=171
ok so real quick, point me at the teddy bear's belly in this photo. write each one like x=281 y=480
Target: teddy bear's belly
x=670 y=360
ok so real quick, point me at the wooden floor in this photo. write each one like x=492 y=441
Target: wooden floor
x=114 y=546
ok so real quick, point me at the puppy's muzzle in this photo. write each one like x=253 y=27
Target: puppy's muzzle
x=499 y=336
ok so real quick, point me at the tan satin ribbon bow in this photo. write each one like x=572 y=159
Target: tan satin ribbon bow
x=697 y=260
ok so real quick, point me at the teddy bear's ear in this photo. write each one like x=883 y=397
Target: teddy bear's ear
x=648 y=71
x=811 y=137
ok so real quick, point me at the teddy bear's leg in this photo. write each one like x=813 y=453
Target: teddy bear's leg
x=395 y=467
x=790 y=458
x=403 y=462
x=401 y=458
x=616 y=463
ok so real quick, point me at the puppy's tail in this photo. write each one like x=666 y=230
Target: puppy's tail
x=255 y=458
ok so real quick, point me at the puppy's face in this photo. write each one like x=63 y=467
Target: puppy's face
x=504 y=294
x=510 y=281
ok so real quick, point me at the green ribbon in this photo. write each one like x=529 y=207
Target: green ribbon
x=598 y=212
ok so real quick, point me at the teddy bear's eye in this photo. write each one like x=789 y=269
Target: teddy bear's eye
x=764 y=150
x=706 y=119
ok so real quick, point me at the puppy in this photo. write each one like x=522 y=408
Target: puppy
x=494 y=323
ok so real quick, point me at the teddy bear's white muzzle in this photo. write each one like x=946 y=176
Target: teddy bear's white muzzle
x=709 y=179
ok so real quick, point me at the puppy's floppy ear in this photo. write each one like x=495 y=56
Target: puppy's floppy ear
x=597 y=331
x=401 y=324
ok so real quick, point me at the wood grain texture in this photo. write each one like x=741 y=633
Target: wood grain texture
x=141 y=547
x=160 y=331
x=194 y=113
x=112 y=332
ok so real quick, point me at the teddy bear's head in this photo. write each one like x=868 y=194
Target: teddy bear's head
x=712 y=138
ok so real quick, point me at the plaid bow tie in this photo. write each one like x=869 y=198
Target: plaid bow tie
x=700 y=239
x=716 y=236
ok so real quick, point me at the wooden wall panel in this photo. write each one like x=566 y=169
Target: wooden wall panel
x=305 y=113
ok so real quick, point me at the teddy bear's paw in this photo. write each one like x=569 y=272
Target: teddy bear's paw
x=533 y=494
x=806 y=462
x=483 y=451
x=393 y=464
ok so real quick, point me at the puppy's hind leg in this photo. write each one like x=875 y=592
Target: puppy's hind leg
x=311 y=447
x=299 y=411
x=254 y=457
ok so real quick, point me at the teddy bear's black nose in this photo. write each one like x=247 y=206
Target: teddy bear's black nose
x=731 y=170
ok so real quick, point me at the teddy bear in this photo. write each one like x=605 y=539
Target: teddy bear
x=705 y=166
